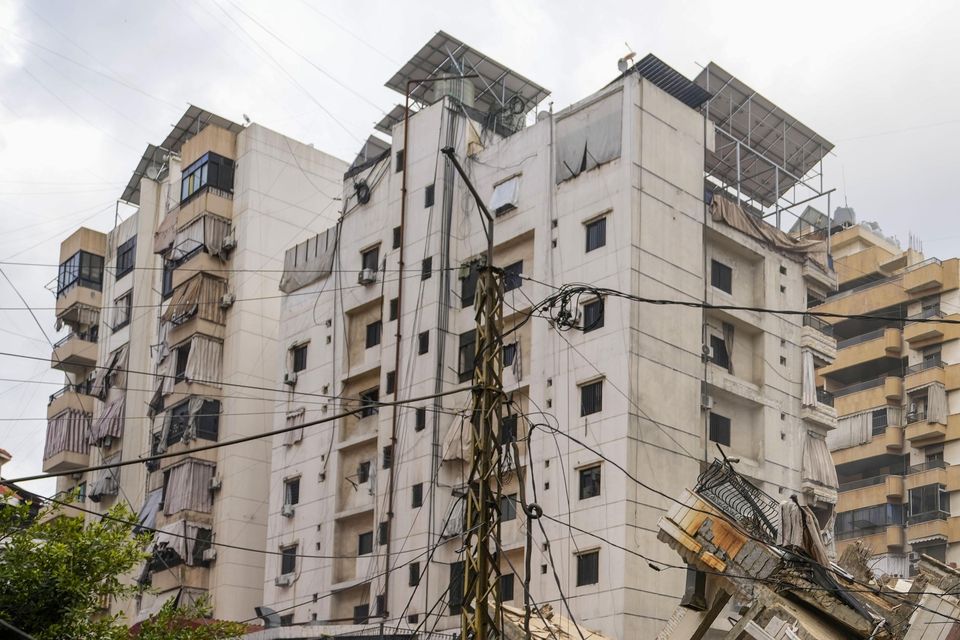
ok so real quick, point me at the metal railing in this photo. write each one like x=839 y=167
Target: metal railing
x=932 y=363
x=740 y=499
x=819 y=324
x=860 y=386
x=860 y=484
x=824 y=397
x=927 y=466
x=932 y=312
x=916 y=416
x=863 y=337
x=863 y=287
x=923 y=264
x=928 y=517
x=86 y=336
x=81 y=388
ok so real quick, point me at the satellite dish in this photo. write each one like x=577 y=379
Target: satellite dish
x=246 y=119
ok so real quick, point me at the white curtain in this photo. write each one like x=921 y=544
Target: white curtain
x=851 y=431
x=215 y=229
x=205 y=361
x=809 y=397
x=589 y=137
x=505 y=194
x=194 y=407
x=937 y=403
x=147 y=516
x=819 y=475
x=188 y=487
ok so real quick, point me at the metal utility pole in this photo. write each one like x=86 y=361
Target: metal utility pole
x=481 y=611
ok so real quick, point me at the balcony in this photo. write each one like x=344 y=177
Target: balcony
x=75 y=397
x=923 y=276
x=867 y=298
x=888 y=442
x=823 y=412
x=870 y=491
x=868 y=394
x=76 y=353
x=923 y=328
x=67 y=442
x=891 y=537
x=208 y=200
x=868 y=348
x=933 y=472
x=928 y=526
x=924 y=373
x=817 y=336
x=920 y=432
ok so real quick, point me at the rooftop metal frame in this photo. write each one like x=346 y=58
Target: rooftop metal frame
x=374 y=147
x=497 y=85
x=389 y=121
x=766 y=158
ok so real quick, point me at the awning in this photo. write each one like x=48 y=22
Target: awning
x=117 y=362
x=107 y=481
x=67 y=431
x=188 y=487
x=163 y=236
x=110 y=422
x=205 y=361
x=183 y=302
x=308 y=261
x=147 y=517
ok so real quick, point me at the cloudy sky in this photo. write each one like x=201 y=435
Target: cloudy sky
x=85 y=85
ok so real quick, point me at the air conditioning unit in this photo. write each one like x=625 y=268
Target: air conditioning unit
x=914 y=557
x=911 y=416
x=706 y=402
x=290 y=378
x=216 y=483
x=227 y=300
x=287 y=510
x=229 y=242
x=283 y=581
x=209 y=555
x=367 y=276
x=707 y=352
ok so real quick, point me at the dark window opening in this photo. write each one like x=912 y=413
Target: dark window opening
x=591 y=398
x=467 y=355
x=416 y=495
x=468 y=285
x=426 y=268
x=374 y=329
x=361 y=614
x=506 y=587
x=83 y=269
x=721 y=276
x=508 y=429
x=590 y=482
x=592 y=315
x=455 y=588
x=383 y=532
x=208 y=420
x=588 y=568
x=182 y=354
x=596 y=234
x=397 y=237
x=288 y=560
x=508 y=507
x=399 y=161
x=299 y=357
x=421 y=419
x=370 y=259
x=291 y=491
x=394 y=308
x=365 y=543
x=512 y=276
x=126 y=256
x=387 y=456
x=391 y=382
x=179 y=421
x=287 y=620
x=428 y=196
x=878 y=421
x=414 y=578
x=369 y=400
x=509 y=354
x=211 y=170
x=363 y=472
x=424 y=342
x=123 y=311
x=166 y=284
x=720 y=429
x=719 y=355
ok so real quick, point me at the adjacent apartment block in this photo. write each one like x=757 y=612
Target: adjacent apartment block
x=895 y=382
x=173 y=320
x=634 y=188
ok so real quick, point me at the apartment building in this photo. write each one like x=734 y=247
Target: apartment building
x=172 y=318
x=366 y=501
x=894 y=383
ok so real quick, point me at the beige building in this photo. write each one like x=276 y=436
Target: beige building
x=366 y=509
x=173 y=319
x=895 y=386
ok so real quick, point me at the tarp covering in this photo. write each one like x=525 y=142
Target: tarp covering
x=456 y=444
x=189 y=487
x=728 y=212
x=294 y=418
x=165 y=233
x=147 y=516
x=110 y=421
x=67 y=431
x=199 y=295
x=799 y=529
x=590 y=136
x=205 y=361
x=819 y=475
x=309 y=261
x=106 y=481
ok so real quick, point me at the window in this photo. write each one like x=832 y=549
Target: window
x=82 y=491
x=166 y=282
x=208 y=420
x=211 y=170
x=361 y=613
x=505 y=196
x=508 y=429
x=509 y=354
x=928 y=499
x=455 y=589
x=387 y=456
x=123 y=310
x=508 y=507
x=931 y=356
x=370 y=259
x=468 y=355
x=428 y=196
x=288 y=559
x=413 y=618
x=369 y=400
x=202 y=542
x=596 y=234
x=720 y=429
x=299 y=354
x=398 y=165
x=590 y=482
x=511 y=276
x=421 y=419
x=287 y=620
x=363 y=472
x=868 y=520
x=126 y=256
x=397 y=237
x=721 y=276
x=588 y=568
x=391 y=382
x=426 y=268
x=381 y=605
x=373 y=333
x=591 y=398
x=878 y=421
x=424 y=342
x=179 y=421
x=291 y=491
x=414 y=578
x=83 y=269
x=719 y=357
x=468 y=285
x=383 y=533
x=416 y=495
x=182 y=354
x=592 y=315
x=394 y=309
x=365 y=543
x=506 y=587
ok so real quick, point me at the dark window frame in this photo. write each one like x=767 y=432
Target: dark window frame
x=512 y=276
x=596 y=233
x=468 y=286
x=467 y=355
x=588 y=568
x=590 y=481
x=365 y=543
x=126 y=257
x=591 y=397
x=81 y=269
x=211 y=170
x=288 y=559
x=374 y=332
x=420 y=419
x=423 y=343
x=298 y=354
x=721 y=276
x=720 y=355
x=428 y=195
x=393 y=309
x=125 y=301
x=593 y=315
x=720 y=429
x=416 y=496
x=370 y=258
x=291 y=491
x=369 y=402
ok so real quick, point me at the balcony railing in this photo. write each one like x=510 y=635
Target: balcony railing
x=923 y=264
x=82 y=388
x=932 y=363
x=928 y=516
x=860 y=484
x=824 y=397
x=860 y=386
x=927 y=466
x=86 y=336
x=817 y=323
x=932 y=312
x=863 y=337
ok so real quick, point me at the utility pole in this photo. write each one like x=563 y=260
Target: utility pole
x=481 y=613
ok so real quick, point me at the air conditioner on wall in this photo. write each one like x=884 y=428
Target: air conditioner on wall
x=367 y=276
x=706 y=401
x=283 y=581
x=216 y=483
x=290 y=378
x=707 y=352
x=209 y=555
x=229 y=242
x=287 y=510
x=227 y=300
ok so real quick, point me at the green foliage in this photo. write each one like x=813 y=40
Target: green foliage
x=187 y=623
x=55 y=571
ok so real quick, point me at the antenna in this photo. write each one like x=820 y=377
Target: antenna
x=624 y=63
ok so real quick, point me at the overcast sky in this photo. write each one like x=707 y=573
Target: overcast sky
x=84 y=86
